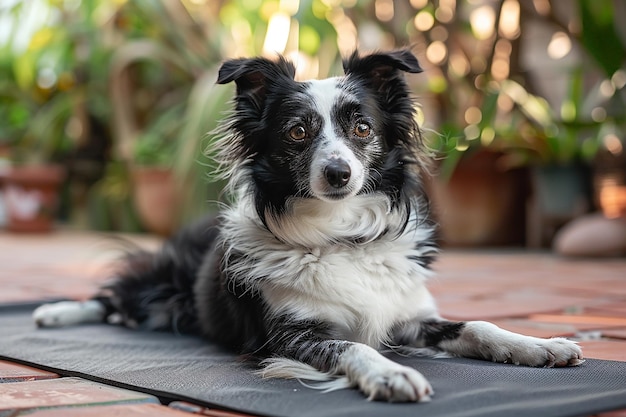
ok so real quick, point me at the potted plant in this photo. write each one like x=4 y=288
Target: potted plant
x=165 y=102
x=58 y=81
x=33 y=135
x=33 y=179
x=156 y=194
x=509 y=108
x=478 y=193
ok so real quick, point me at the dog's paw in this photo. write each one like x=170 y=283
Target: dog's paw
x=532 y=351
x=549 y=353
x=68 y=313
x=382 y=379
x=487 y=341
x=395 y=384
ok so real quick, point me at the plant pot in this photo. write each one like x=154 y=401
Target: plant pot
x=157 y=199
x=481 y=204
x=562 y=190
x=31 y=195
x=560 y=194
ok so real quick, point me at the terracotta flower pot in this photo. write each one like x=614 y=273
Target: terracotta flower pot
x=156 y=199
x=481 y=204
x=31 y=195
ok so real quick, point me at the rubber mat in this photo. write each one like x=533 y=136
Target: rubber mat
x=177 y=367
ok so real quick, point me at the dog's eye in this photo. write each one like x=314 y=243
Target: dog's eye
x=297 y=133
x=362 y=130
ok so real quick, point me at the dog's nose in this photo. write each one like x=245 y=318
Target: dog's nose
x=337 y=173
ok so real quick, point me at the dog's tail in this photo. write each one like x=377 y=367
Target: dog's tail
x=151 y=290
x=278 y=367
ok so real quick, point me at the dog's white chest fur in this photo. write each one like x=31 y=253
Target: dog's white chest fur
x=363 y=289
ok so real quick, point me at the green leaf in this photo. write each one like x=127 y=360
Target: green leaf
x=24 y=70
x=489 y=109
x=599 y=36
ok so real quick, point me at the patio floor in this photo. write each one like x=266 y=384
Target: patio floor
x=535 y=293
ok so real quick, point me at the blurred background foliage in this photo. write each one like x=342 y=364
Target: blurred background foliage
x=107 y=86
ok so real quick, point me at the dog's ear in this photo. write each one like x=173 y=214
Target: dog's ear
x=378 y=68
x=253 y=75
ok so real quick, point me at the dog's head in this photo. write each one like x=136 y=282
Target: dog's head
x=326 y=139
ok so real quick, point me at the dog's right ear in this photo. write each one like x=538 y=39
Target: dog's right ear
x=255 y=75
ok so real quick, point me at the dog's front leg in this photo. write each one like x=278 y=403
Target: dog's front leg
x=377 y=377
x=483 y=340
x=487 y=341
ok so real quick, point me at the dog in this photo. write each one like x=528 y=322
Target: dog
x=322 y=256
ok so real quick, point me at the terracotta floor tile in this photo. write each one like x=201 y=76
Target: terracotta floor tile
x=604 y=349
x=63 y=264
x=517 y=303
x=130 y=410
x=580 y=320
x=511 y=268
x=32 y=395
x=532 y=328
x=591 y=285
x=13 y=372
x=614 y=333
x=618 y=413
x=609 y=309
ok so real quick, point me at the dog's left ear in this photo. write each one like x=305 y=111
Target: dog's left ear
x=380 y=67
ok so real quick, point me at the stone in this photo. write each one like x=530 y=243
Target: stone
x=592 y=235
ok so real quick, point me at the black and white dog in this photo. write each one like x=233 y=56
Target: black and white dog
x=322 y=257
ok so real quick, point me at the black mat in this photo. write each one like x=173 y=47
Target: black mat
x=187 y=368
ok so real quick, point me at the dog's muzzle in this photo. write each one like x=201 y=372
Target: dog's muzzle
x=337 y=173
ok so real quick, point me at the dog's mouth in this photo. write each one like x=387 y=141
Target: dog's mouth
x=336 y=195
x=329 y=193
